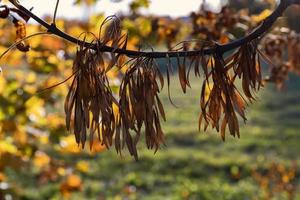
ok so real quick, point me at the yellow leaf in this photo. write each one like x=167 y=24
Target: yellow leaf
x=144 y=26
x=53 y=59
x=35 y=109
x=82 y=166
x=68 y=145
x=98 y=147
x=31 y=77
x=263 y=15
x=286 y=179
x=44 y=139
x=35 y=41
x=61 y=171
x=75 y=30
x=41 y=159
x=6 y=146
x=74 y=181
x=2 y=84
x=20 y=136
x=2 y=177
x=55 y=121
x=31 y=89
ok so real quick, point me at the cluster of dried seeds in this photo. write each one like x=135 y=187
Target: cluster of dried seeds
x=283 y=48
x=92 y=109
x=91 y=104
x=121 y=120
x=140 y=105
x=90 y=99
x=221 y=101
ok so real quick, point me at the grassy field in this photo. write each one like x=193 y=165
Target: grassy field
x=194 y=165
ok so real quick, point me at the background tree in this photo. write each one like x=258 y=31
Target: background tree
x=32 y=135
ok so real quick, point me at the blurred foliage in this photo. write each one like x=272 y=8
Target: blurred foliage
x=134 y=5
x=37 y=152
x=277 y=179
x=32 y=125
x=137 y=4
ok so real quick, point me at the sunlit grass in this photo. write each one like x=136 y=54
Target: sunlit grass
x=193 y=164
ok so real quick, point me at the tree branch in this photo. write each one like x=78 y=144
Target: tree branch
x=258 y=32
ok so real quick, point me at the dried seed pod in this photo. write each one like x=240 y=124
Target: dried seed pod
x=90 y=99
x=20 y=34
x=220 y=100
x=113 y=31
x=140 y=105
x=246 y=65
x=19 y=19
x=113 y=37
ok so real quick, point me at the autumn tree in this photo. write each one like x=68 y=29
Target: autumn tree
x=92 y=105
x=117 y=117
x=111 y=77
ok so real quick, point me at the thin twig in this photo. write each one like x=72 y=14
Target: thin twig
x=22 y=40
x=55 y=85
x=55 y=13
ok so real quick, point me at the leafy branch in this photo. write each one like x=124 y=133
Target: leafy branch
x=258 y=32
x=118 y=120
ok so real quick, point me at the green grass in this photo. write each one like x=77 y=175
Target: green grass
x=193 y=165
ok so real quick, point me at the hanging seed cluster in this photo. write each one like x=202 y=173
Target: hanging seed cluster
x=283 y=48
x=90 y=99
x=121 y=119
x=221 y=101
x=92 y=110
x=140 y=105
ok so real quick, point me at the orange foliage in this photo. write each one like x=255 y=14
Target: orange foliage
x=72 y=183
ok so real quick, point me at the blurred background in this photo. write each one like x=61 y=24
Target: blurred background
x=39 y=159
